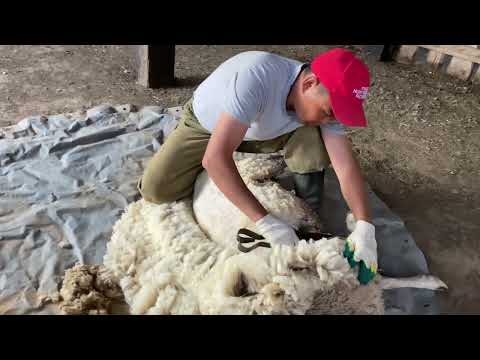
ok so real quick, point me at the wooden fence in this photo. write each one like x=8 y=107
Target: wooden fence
x=461 y=61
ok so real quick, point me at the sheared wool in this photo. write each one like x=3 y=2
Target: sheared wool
x=88 y=289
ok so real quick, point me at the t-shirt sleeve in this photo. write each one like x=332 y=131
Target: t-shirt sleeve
x=334 y=127
x=244 y=96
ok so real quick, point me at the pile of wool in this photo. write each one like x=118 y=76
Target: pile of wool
x=87 y=289
x=166 y=263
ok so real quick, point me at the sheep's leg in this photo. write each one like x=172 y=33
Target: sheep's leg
x=420 y=282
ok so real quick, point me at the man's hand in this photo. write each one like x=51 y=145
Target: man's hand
x=361 y=249
x=277 y=231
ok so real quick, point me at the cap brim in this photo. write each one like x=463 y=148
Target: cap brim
x=348 y=111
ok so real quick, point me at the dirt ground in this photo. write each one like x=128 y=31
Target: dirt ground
x=420 y=152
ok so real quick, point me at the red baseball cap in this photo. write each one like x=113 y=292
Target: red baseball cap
x=347 y=80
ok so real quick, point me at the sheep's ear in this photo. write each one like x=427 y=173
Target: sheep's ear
x=350 y=221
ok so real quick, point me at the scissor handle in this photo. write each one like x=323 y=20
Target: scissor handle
x=247 y=249
x=245 y=236
x=248 y=236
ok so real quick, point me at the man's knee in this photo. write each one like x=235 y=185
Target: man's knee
x=161 y=190
x=305 y=151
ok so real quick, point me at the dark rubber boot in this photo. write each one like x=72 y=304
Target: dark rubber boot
x=309 y=187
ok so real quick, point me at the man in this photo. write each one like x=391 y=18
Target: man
x=260 y=102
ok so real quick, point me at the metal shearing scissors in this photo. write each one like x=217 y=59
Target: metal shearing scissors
x=245 y=236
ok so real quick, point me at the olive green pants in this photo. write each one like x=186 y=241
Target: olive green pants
x=170 y=175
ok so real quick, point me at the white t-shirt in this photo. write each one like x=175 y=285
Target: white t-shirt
x=252 y=87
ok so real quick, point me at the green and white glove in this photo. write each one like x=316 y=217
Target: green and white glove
x=361 y=249
x=276 y=231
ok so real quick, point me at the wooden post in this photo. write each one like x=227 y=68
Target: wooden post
x=156 y=65
x=379 y=52
x=388 y=52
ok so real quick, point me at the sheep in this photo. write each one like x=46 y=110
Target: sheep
x=181 y=257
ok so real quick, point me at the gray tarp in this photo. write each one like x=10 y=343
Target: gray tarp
x=66 y=179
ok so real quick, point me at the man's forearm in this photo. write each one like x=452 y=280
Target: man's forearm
x=224 y=173
x=354 y=191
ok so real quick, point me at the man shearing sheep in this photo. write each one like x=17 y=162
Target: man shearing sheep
x=259 y=102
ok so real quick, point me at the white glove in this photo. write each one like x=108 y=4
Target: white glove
x=276 y=231
x=363 y=244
